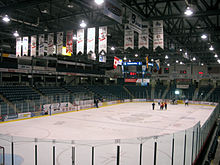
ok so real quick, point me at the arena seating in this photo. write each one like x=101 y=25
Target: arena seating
x=99 y=92
x=18 y=93
x=215 y=96
x=203 y=91
x=116 y=90
x=159 y=90
x=51 y=90
x=76 y=89
x=189 y=92
x=138 y=91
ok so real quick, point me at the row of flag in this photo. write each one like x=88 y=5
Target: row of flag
x=143 y=39
x=48 y=44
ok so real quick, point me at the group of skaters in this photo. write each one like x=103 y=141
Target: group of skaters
x=162 y=105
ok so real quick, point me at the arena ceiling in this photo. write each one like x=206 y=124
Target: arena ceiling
x=181 y=32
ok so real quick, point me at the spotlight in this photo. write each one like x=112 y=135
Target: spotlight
x=136 y=55
x=194 y=59
x=204 y=36
x=188 y=11
x=6 y=19
x=83 y=24
x=218 y=61
x=74 y=37
x=166 y=57
x=99 y=2
x=177 y=92
x=152 y=60
x=181 y=50
x=211 y=48
x=168 y=64
x=216 y=56
x=177 y=61
x=125 y=58
x=181 y=62
x=16 y=33
x=202 y=64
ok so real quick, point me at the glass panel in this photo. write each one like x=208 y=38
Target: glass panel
x=45 y=152
x=164 y=149
x=179 y=147
x=148 y=151
x=63 y=152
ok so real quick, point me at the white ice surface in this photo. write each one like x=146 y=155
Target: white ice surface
x=122 y=121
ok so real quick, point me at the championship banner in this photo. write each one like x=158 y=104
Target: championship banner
x=50 y=44
x=80 y=41
x=69 y=42
x=18 y=46
x=144 y=37
x=25 y=46
x=33 y=45
x=103 y=39
x=129 y=38
x=59 y=42
x=91 y=40
x=135 y=21
x=158 y=34
x=41 y=45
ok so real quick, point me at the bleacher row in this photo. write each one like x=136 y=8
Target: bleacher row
x=18 y=94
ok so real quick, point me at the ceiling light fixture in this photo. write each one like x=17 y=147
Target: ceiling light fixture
x=188 y=11
x=125 y=58
x=168 y=64
x=6 y=19
x=204 y=36
x=166 y=57
x=218 y=61
x=181 y=62
x=99 y=2
x=113 y=48
x=16 y=33
x=216 y=56
x=202 y=64
x=74 y=37
x=211 y=48
x=152 y=60
x=194 y=59
x=177 y=61
x=136 y=55
x=83 y=24
x=181 y=50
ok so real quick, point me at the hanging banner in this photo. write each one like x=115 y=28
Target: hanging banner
x=135 y=21
x=41 y=45
x=144 y=37
x=69 y=42
x=25 y=46
x=18 y=46
x=91 y=40
x=103 y=39
x=59 y=42
x=102 y=58
x=50 y=43
x=128 y=38
x=80 y=41
x=158 y=34
x=33 y=45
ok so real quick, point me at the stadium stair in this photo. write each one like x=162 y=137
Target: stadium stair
x=132 y=96
x=209 y=94
x=152 y=92
x=196 y=92
x=16 y=110
x=165 y=92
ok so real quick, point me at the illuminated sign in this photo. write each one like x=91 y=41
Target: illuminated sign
x=132 y=63
x=200 y=72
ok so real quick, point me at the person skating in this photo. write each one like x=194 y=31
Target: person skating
x=153 y=105
x=165 y=105
x=186 y=102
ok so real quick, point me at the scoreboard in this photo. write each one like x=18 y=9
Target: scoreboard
x=135 y=70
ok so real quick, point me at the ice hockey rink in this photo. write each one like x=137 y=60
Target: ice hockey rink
x=121 y=121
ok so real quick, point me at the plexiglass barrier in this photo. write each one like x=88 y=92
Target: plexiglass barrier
x=179 y=148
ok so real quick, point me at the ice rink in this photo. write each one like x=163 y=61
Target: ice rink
x=121 y=121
